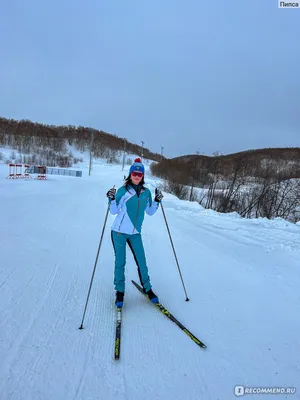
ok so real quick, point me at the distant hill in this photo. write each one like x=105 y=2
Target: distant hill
x=276 y=154
x=274 y=162
x=17 y=134
x=25 y=135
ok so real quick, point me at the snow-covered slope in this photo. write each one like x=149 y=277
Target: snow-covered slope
x=242 y=278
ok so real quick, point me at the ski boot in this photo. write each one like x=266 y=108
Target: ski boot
x=152 y=296
x=119 y=299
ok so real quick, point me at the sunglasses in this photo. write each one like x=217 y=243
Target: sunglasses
x=139 y=174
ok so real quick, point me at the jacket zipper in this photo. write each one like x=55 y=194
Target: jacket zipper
x=137 y=214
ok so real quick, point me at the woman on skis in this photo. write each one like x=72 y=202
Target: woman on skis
x=130 y=203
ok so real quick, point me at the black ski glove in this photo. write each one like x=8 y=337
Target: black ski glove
x=111 y=194
x=158 y=195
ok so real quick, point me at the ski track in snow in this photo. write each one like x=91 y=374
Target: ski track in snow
x=242 y=278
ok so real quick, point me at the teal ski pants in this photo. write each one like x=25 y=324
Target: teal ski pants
x=135 y=243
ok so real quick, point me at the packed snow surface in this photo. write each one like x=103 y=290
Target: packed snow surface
x=242 y=277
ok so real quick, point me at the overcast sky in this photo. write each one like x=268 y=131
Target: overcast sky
x=186 y=75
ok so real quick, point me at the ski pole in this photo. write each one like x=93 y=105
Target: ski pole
x=81 y=326
x=187 y=299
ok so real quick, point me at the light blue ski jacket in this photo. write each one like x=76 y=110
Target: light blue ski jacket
x=130 y=209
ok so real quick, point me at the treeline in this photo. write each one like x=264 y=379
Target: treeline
x=282 y=163
x=41 y=156
x=24 y=135
x=254 y=184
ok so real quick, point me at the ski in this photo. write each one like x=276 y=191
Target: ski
x=118 y=334
x=167 y=313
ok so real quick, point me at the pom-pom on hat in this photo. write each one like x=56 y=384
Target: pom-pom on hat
x=137 y=166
